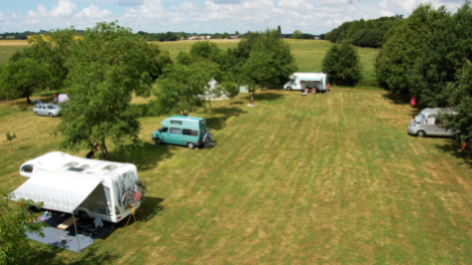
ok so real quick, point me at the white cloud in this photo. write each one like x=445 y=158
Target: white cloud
x=63 y=9
x=186 y=6
x=295 y=4
x=93 y=12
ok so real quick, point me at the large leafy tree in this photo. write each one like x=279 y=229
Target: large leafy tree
x=106 y=68
x=403 y=47
x=181 y=85
x=269 y=60
x=442 y=55
x=297 y=34
x=342 y=64
x=460 y=96
x=21 y=78
x=15 y=221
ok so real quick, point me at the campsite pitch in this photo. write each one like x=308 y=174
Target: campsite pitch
x=327 y=178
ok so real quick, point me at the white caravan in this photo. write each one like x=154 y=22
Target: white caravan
x=298 y=81
x=86 y=187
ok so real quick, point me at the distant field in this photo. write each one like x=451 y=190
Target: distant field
x=308 y=53
x=7 y=51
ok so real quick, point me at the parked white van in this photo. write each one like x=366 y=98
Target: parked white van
x=85 y=187
x=427 y=122
x=298 y=81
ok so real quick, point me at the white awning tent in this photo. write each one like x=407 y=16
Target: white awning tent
x=59 y=191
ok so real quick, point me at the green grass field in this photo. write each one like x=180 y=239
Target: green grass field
x=329 y=178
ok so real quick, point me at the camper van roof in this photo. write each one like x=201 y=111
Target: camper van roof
x=59 y=161
x=185 y=117
x=437 y=110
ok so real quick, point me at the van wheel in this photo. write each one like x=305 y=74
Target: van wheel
x=190 y=145
x=84 y=216
x=157 y=141
x=50 y=115
x=289 y=88
x=36 y=113
x=421 y=134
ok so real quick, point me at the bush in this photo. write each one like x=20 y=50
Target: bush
x=342 y=64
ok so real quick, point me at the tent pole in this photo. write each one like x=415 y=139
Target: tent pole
x=76 y=234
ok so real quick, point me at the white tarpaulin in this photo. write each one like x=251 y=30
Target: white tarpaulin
x=60 y=191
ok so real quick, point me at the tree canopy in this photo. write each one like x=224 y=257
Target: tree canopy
x=106 y=68
x=297 y=34
x=21 y=78
x=342 y=64
x=15 y=221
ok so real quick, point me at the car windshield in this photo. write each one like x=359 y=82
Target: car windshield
x=419 y=118
x=51 y=106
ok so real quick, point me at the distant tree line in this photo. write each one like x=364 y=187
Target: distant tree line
x=362 y=33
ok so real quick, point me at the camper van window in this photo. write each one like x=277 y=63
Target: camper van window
x=70 y=164
x=176 y=122
x=76 y=169
x=202 y=122
x=163 y=129
x=175 y=130
x=27 y=168
x=419 y=118
x=194 y=133
x=108 y=168
x=292 y=81
x=187 y=132
x=84 y=166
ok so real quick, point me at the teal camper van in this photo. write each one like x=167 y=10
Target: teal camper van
x=183 y=130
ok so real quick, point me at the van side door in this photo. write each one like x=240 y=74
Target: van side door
x=164 y=134
x=429 y=125
x=175 y=135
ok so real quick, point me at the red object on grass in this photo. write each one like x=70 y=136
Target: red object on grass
x=413 y=101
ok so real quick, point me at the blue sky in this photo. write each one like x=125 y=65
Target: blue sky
x=202 y=16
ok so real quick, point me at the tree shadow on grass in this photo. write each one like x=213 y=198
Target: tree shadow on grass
x=91 y=255
x=453 y=147
x=145 y=157
x=401 y=99
x=224 y=113
x=265 y=96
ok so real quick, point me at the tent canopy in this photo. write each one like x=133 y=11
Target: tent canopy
x=59 y=191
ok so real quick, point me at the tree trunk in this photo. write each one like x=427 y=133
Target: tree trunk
x=252 y=96
x=28 y=99
x=209 y=102
x=105 y=151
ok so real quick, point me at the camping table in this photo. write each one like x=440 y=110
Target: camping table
x=66 y=224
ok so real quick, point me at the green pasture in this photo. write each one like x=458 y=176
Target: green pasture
x=308 y=53
x=330 y=178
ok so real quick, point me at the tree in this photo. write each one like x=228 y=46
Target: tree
x=297 y=34
x=342 y=64
x=279 y=30
x=10 y=137
x=107 y=67
x=14 y=223
x=270 y=60
x=21 y=78
x=231 y=90
x=403 y=47
x=52 y=50
x=236 y=33
x=179 y=88
x=460 y=96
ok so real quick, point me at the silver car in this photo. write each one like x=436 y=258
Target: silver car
x=428 y=123
x=50 y=110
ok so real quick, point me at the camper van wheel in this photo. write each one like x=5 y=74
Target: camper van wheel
x=289 y=88
x=37 y=114
x=157 y=141
x=50 y=115
x=421 y=134
x=84 y=216
x=191 y=145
